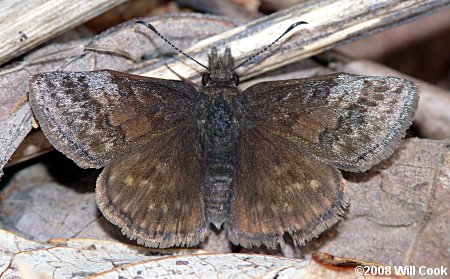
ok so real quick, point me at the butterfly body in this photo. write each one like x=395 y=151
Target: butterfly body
x=220 y=120
x=262 y=162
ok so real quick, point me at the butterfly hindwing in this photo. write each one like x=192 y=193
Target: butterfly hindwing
x=279 y=188
x=347 y=120
x=102 y=114
x=154 y=194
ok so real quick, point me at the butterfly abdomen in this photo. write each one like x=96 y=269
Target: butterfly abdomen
x=219 y=144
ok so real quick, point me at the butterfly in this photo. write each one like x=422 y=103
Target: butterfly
x=259 y=163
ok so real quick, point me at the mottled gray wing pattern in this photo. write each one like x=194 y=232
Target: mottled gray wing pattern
x=154 y=194
x=280 y=188
x=94 y=116
x=347 y=120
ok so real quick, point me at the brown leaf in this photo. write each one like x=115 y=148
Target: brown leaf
x=352 y=265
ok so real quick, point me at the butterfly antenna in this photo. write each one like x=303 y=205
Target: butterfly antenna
x=151 y=27
x=271 y=44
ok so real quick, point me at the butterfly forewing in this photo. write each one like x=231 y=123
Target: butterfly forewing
x=347 y=120
x=103 y=114
x=155 y=193
x=279 y=188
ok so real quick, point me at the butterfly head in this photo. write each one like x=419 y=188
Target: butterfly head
x=221 y=70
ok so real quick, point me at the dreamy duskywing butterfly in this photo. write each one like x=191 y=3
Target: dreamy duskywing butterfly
x=261 y=162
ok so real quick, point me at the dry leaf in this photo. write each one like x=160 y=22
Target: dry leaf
x=228 y=266
x=35 y=205
x=12 y=132
x=72 y=258
x=399 y=211
x=34 y=144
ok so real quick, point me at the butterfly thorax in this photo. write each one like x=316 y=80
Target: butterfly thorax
x=222 y=112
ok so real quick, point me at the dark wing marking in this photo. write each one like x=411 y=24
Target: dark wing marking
x=348 y=120
x=155 y=193
x=278 y=188
x=94 y=116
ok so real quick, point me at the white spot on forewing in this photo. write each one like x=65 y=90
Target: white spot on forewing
x=347 y=89
x=100 y=84
x=287 y=96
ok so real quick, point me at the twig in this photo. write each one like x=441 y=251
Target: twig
x=26 y=24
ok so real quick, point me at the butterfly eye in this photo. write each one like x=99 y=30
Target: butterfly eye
x=236 y=79
x=206 y=79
